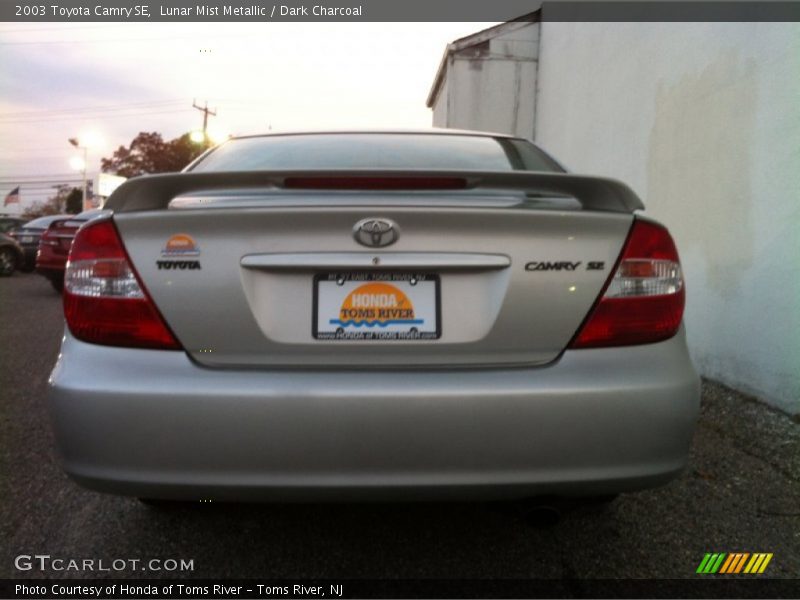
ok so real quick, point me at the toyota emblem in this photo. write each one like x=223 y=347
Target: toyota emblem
x=376 y=233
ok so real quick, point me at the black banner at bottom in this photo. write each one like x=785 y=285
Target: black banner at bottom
x=702 y=587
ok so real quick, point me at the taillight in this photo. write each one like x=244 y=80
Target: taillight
x=643 y=300
x=48 y=238
x=104 y=299
x=375 y=183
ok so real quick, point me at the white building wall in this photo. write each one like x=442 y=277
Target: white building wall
x=481 y=101
x=703 y=121
x=440 y=106
x=492 y=88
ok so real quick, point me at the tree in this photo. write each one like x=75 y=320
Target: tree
x=74 y=201
x=149 y=153
x=67 y=199
x=42 y=209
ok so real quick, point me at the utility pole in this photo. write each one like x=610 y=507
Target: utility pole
x=79 y=146
x=206 y=111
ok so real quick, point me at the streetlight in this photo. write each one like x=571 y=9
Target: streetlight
x=217 y=135
x=84 y=142
x=80 y=164
x=210 y=136
x=77 y=163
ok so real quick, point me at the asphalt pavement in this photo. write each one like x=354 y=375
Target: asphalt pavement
x=740 y=493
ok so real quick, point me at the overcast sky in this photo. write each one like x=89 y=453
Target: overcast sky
x=63 y=80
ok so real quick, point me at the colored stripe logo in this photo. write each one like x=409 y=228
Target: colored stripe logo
x=734 y=563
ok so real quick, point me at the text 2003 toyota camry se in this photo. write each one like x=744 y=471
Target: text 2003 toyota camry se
x=373 y=315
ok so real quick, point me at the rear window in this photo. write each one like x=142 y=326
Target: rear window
x=377 y=151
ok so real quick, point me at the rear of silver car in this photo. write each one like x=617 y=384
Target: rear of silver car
x=377 y=333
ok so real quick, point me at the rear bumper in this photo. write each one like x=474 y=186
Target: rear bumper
x=154 y=424
x=48 y=261
x=48 y=271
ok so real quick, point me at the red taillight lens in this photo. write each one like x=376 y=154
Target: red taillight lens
x=48 y=238
x=104 y=299
x=375 y=183
x=644 y=299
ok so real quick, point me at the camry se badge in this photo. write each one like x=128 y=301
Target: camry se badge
x=376 y=233
x=552 y=266
x=564 y=265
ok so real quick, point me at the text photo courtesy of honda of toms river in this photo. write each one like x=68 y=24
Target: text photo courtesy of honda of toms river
x=373 y=315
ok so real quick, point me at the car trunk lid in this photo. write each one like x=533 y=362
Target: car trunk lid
x=240 y=279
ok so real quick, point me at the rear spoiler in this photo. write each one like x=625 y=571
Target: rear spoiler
x=58 y=223
x=154 y=192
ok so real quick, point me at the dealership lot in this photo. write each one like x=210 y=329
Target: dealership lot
x=741 y=493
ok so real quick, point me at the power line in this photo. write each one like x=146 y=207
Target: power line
x=15 y=156
x=128 y=40
x=45 y=175
x=81 y=109
x=33 y=119
x=68 y=117
x=62 y=28
x=39 y=177
x=41 y=184
x=122 y=107
x=72 y=177
x=24 y=185
x=37 y=149
x=48 y=192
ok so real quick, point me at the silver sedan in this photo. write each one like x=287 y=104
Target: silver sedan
x=373 y=315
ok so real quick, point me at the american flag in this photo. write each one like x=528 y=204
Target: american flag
x=12 y=197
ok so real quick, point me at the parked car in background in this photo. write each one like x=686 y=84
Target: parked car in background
x=8 y=224
x=10 y=255
x=55 y=243
x=28 y=237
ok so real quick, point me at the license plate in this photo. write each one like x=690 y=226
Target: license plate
x=26 y=239
x=376 y=306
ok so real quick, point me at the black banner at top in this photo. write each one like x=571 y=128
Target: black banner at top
x=199 y=11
